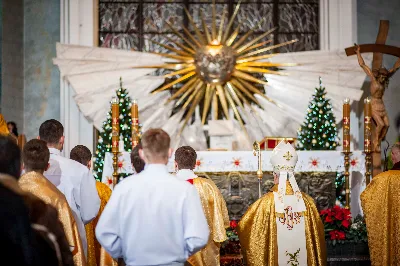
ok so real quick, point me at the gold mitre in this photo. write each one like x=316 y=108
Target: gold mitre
x=284 y=157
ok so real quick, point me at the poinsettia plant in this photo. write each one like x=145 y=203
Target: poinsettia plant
x=339 y=228
x=231 y=231
x=336 y=221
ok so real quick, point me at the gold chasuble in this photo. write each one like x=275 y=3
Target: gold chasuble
x=380 y=204
x=258 y=232
x=216 y=213
x=96 y=254
x=39 y=186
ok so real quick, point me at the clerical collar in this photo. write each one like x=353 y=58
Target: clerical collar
x=185 y=174
x=55 y=151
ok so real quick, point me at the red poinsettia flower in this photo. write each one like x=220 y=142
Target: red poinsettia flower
x=346 y=223
x=341 y=235
x=328 y=219
x=233 y=224
x=326 y=212
x=346 y=213
x=337 y=235
x=339 y=215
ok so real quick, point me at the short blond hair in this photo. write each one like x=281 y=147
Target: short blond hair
x=155 y=143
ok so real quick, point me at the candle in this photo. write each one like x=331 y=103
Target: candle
x=346 y=125
x=135 y=123
x=115 y=124
x=367 y=125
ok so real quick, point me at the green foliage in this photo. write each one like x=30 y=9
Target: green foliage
x=340 y=188
x=358 y=231
x=104 y=140
x=319 y=129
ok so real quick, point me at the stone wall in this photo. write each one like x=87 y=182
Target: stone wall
x=42 y=79
x=12 y=62
x=240 y=190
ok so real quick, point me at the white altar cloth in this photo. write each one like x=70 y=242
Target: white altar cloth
x=245 y=161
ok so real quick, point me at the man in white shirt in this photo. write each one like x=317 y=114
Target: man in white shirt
x=153 y=218
x=71 y=178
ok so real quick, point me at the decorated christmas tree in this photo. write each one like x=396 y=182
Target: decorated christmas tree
x=104 y=141
x=319 y=129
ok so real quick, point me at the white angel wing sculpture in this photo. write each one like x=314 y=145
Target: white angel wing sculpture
x=94 y=75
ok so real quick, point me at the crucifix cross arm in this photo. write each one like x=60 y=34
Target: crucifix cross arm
x=395 y=67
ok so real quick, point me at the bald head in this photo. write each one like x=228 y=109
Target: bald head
x=396 y=153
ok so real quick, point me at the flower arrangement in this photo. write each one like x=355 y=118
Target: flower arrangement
x=339 y=227
x=231 y=245
x=231 y=231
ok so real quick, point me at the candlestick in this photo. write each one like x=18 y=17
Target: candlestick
x=346 y=125
x=346 y=148
x=257 y=152
x=135 y=123
x=115 y=137
x=368 y=139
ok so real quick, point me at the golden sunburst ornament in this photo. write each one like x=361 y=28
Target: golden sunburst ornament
x=215 y=69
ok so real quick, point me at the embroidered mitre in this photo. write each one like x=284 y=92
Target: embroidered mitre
x=283 y=160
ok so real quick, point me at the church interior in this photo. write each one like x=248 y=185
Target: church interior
x=234 y=80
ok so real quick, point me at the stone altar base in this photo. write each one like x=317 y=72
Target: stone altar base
x=348 y=254
x=240 y=189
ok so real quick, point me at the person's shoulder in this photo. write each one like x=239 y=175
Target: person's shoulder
x=71 y=164
x=265 y=202
x=127 y=183
x=206 y=183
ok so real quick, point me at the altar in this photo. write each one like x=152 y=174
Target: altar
x=234 y=172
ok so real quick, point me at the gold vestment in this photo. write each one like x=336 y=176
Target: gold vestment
x=3 y=126
x=380 y=204
x=216 y=213
x=96 y=254
x=38 y=185
x=258 y=234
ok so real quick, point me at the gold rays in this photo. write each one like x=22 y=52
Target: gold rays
x=215 y=68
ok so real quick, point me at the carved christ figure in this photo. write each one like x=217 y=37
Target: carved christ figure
x=379 y=82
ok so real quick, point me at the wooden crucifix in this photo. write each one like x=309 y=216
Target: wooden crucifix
x=379 y=82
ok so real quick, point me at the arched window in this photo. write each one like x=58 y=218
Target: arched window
x=127 y=24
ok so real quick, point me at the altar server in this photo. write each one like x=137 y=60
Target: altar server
x=35 y=157
x=379 y=202
x=96 y=254
x=71 y=178
x=283 y=227
x=213 y=203
x=153 y=218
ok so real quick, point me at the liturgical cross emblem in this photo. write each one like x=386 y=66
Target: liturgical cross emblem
x=288 y=156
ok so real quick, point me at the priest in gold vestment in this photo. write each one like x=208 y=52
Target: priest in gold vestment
x=97 y=256
x=213 y=204
x=380 y=204
x=36 y=157
x=283 y=227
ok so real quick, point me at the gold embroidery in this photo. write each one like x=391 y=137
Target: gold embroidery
x=288 y=156
x=290 y=219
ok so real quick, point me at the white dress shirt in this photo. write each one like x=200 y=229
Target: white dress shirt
x=79 y=187
x=153 y=218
